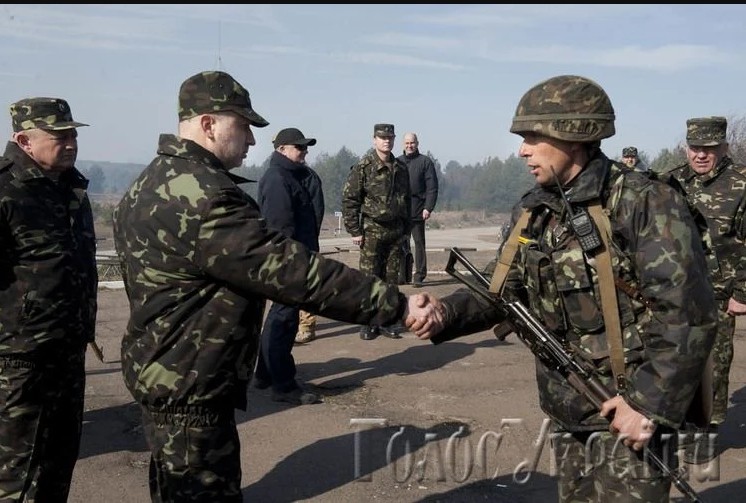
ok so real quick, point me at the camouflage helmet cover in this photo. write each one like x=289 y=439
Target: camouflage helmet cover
x=566 y=107
x=215 y=91
x=50 y=114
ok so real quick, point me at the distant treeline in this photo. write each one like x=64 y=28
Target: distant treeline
x=492 y=186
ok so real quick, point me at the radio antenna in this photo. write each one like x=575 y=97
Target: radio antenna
x=220 y=61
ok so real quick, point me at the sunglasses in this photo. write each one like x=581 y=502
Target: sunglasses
x=302 y=148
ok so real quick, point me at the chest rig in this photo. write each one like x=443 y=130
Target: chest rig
x=598 y=250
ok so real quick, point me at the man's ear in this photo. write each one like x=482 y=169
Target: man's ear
x=23 y=140
x=207 y=125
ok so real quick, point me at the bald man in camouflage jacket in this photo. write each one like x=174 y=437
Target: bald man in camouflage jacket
x=198 y=262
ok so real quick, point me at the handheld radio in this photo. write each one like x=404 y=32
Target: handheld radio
x=580 y=222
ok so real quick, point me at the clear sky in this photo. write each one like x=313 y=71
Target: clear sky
x=452 y=73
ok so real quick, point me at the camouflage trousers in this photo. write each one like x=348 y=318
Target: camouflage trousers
x=381 y=253
x=306 y=322
x=596 y=467
x=195 y=455
x=41 y=417
x=722 y=357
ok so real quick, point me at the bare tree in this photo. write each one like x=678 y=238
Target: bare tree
x=737 y=139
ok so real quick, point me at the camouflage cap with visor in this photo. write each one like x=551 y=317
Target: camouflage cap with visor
x=706 y=131
x=383 y=130
x=629 y=152
x=216 y=91
x=50 y=114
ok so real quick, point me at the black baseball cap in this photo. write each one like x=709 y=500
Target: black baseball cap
x=292 y=136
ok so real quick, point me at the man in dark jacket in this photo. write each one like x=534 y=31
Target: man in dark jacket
x=48 y=287
x=288 y=207
x=423 y=183
x=198 y=262
x=663 y=337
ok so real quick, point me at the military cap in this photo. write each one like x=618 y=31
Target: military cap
x=51 y=114
x=706 y=131
x=383 y=130
x=216 y=91
x=629 y=152
x=292 y=136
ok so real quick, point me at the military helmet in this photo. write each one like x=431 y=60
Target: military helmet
x=566 y=107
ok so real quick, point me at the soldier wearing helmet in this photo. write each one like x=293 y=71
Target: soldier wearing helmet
x=656 y=254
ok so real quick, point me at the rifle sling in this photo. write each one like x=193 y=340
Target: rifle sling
x=607 y=285
x=508 y=254
x=609 y=304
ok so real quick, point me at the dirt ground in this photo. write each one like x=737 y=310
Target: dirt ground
x=401 y=421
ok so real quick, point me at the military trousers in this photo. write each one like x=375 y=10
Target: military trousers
x=381 y=253
x=596 y=467
x=722 y=357
x=41 y=417
x=194 y=455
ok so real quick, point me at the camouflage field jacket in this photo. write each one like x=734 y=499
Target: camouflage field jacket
x=198 y=262
x=48 y=280
x=721 y=197
x=374 y=191
x=656 y=250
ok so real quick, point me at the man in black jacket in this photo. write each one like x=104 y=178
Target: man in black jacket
x=423 y=181
x=288 y=207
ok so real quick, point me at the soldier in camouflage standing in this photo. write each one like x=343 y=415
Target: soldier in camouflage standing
x=376 y=213
x=656 y=250
x=48 y=287
x=717 y=188
x=632 y=159
x=198 y=262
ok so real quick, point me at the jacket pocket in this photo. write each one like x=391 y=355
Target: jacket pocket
x=542 y=289
x=576 y=291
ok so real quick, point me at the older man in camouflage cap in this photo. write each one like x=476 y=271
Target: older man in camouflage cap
x=376 y=212
x=656 y=252
x=198 y=262
x=716 y=186
x=48 y=287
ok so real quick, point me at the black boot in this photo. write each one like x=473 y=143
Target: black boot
x=393 y=331
x=368 y=333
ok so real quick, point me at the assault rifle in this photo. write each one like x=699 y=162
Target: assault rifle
x=545 y=346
